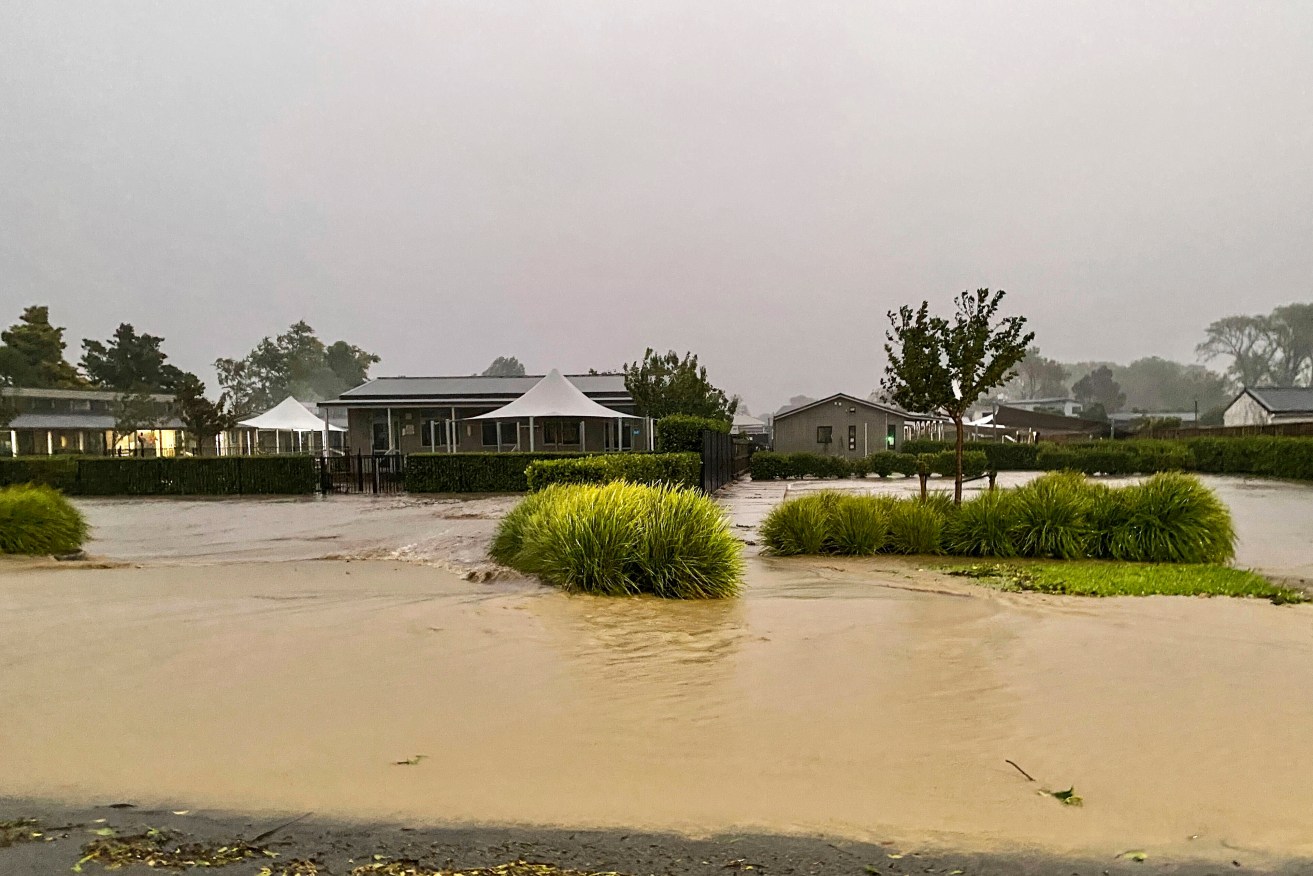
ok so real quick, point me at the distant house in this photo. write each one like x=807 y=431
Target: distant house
x=1270 y=405
x=72 y=421
x=435 y=414
x=1042 y=424
x=841 y=425
x=1067 y=407
x=745 y=424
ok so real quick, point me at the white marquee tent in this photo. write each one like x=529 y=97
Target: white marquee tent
x=289 y=415
x=554 y=396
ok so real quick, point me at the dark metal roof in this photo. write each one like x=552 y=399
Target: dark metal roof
x=89 y=422
x=1020 y=418
x=1283 y=399
x=492 y=391
x=845 y=397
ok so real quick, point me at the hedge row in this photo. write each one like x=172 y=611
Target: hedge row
x=1262 y=455
x=680 y=433
x=675 y=469
x=999 y=456
x=774 y=466
x=184 y=476
x=472 y=472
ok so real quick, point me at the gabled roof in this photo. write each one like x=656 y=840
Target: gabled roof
x=487 y=391
x=1282 y=399
x=289 y=415
x=553 y=396
x=849 y=399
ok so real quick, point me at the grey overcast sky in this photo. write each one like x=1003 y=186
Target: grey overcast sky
x=758 y=182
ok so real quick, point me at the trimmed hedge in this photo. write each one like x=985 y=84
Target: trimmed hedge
x=768 y=466
x=1263 y=455
x=999 y=456
x=676 y=469
x=182 y=476
x=472 y=472
x=681 y=433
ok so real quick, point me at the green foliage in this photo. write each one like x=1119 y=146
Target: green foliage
x=1051 y=517
x=1262 y=455
x=767 y=466
x=665 y=384
x=681 y=433
x=1116 y=457
x=983 y=527
x=944 y=463
x=917 y=527
x=827 y=522
x=1275 y=349
x=130 y=361
x=32 y=353
x=1172 y=518
x=472 y=472
x=622 y=539
x=504 y=366
x=38 y=520
x=1104 y=578
x=677 y=469
x=999 y=456
x=203 y=418
x=295 y=363
x=1099 y=388
x=1038 y=377
x=182 y=476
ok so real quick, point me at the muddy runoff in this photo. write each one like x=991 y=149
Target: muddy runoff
x=872 y=700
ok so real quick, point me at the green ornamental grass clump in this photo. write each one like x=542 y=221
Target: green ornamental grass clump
x=1172 y=518
x=621 y=539
x=917 y=527
x=38 y=520
x=800 y=526
x=1051 y=517
x=982 y=527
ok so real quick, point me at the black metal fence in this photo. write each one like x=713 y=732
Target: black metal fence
x=724 y=458
x=362 y=473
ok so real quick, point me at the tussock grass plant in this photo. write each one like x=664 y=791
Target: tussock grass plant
x=916 y=527
x=982 y=527
x=1051 y=517
x=859 y=526
x=621 y=539
x=38 y=520
x=1172 y=518
x=799 y=526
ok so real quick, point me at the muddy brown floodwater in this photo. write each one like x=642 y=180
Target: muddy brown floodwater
x=867 y=699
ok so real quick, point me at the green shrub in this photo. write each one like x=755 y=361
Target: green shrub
x=999 y=455
x=623 y=539
x=916 y=527
x=59 y=472
x=681 y=433
x=982 y=527
x=1051 y=517
x=906 y=464
x=1172 y=518
x=678 y=469
x=36 y=519
x=767 y=466
x=472 y=472
x=881 y=463
x=168 y=476
x=859 y=526
x=1262 y=455
x=799 y=526
x=944 y=463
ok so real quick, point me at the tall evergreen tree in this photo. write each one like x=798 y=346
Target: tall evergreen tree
x=32 y=354
x=130 y=361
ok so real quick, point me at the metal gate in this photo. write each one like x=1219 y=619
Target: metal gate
x=362 y=473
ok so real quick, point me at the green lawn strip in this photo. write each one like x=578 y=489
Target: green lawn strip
x=1111 y=578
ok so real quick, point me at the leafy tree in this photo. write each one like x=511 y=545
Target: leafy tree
x=1039 y=377
x=798 y=401
x=504 y=366
x=8 y=410
x=203 y=418
x=1156 y=384
x=135 y=411
x=1099 y=387
x=295 y=363
x=738 y=407
x=130 y=360
x=938 y=365
x=33 y=353
x=663 y=384
x=1275 y=349
x=1292 y=325
x=1094 y=411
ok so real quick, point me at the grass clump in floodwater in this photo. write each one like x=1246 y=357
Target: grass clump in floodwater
x=1169 y=518
x=37 y=520
x=622 y=539
x=1105 y=578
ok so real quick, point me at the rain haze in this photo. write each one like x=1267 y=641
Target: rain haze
x=569 y=183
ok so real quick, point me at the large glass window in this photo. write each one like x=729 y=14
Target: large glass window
x=433 y=433
x=560 y=432
x=492 y=429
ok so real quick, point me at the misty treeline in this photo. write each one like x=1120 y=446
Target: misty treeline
x=1275 y=349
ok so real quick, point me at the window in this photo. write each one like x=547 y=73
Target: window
x=852 y=437
x=824 y=434
x=433 y=433
x=558 y=432
x=492 y=430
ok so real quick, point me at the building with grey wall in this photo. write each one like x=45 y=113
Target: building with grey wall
x=841 y=425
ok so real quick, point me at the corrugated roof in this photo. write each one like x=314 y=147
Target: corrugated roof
x=89 y=422
x=83 y=394
x=489 y=388
x=849 y=398
x=1284 y=399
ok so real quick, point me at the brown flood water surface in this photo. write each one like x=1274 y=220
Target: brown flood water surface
x=866 y=699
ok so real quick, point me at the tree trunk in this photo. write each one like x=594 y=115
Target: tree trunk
x=957 y=481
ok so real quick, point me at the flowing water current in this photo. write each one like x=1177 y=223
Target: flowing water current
x=223 y=665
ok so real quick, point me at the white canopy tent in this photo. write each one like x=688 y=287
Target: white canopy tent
x=554 y=396
x=289 y=415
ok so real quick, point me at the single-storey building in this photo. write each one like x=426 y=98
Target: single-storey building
x=1042 y=424
x=72 y=421
x=842 y=425
x=1062 y=405
x=1270 y=405
x=436 y=415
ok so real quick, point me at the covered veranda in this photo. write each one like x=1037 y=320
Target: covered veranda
x=552 y=410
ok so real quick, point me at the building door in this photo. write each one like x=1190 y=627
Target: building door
x=380 y=437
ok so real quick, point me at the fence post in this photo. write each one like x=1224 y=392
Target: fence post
x=241 y=486
x=360 y=473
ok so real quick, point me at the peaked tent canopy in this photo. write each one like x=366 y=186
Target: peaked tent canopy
x=554 y=396
x=289 y=415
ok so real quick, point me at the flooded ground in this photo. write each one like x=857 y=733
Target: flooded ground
x=867 y=699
